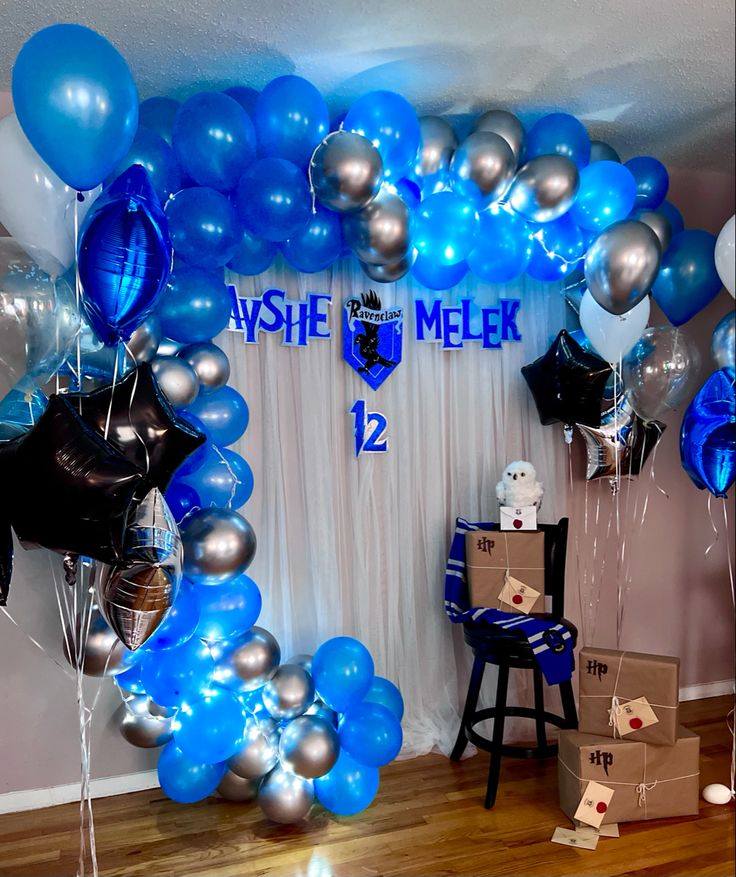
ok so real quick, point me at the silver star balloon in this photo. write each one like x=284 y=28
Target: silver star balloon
x=621 y=445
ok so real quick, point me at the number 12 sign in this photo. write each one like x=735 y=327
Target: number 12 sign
x=369 y=428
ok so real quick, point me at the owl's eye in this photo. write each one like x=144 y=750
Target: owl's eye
x=523 y=474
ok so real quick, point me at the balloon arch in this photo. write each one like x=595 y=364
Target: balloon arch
x=100 y=193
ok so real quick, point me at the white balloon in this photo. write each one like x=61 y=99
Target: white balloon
x=726 y=255
x=717 y=793
x=36 y=207
x=612 y=335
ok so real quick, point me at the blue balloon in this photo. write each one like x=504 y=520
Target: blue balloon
x=179 y=624
x=708 y=435
x=212 y=481
x=317 y=245
x=600 y=151
x=130 y=680
x=410 y=192
x=342 y=669
x=371 y=733
x=214 y=140
x=348 y=788
x=158 y=114
x=124 y=256
x=557 y=248
x=384 y=692
x=670 y=212
x=204 y=227
x=76 y=102
x=388 y=120
x=607 y=193
x=198 y=457
x=228 y=609
x=211 y=729
x=194 y=307
x=184 y=780
x=503 y=246
x=181 y=498
x=245 y=96
x=559 y=134
x=178 y=675
x=687 y=279
x=273 y=199
x=224 y=413
x=150 y=151
x=652 y=181
x=437 y=277
x=243 y=478
x=291 y=119
x=19 y=411
x=253 y=255
x=445 y=228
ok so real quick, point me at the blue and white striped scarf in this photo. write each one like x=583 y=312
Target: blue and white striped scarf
x=551 y=641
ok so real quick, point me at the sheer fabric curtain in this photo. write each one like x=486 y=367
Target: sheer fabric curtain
x=357 y=546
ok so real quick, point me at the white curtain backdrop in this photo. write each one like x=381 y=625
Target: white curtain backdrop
x=357 y=546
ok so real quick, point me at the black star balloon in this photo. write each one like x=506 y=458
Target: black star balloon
x=6 y=559
x=567 y=383
x=142 y=424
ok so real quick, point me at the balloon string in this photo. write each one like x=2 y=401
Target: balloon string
x=637 y=528
x=112 y=392
x=577 y=550
x=616 y=499
x=35 y=642
x=728 y=554
x=78 y=296
x=233 y=477
x=713 y=526
x=660 y=430
x=130 y=408
x=310 y=166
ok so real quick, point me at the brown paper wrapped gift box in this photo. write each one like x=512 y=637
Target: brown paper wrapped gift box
x=629 y=675
x=649 y=782
x=490 y=554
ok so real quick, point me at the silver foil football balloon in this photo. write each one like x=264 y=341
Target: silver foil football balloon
x=219 y=544
x=152 y=535
x=309 y=746
x=260 y=750
x=177 y=379
x=391 y=272
x=210 y=364
x=659 y=224
x=544 y=188
x=235 y=788
x=285 y=797
x=139 y=726
x=621 y=265
x=102 y=653
x=723 y=342
x=288 y=692
x=482 y=168
x=252 y=659
x=380 y=233
x=437 y=143
x=506 y=125
x=346 y=171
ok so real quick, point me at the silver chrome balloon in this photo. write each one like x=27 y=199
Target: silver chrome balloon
x=482 y=168
x=723 y=342
x=600 y=151
x=380 y=233
x=285 y=797
x=260 y=750
x=309 y=746
x=506 y=125
x=252 y=659
x=302 y=660
x=139 y=726
x=391 y=272
x=169 y=347
x=235 y=788
x=210 y=364
x=288 y=692
x=346 y=171
x=621 y=265
x=102 y=653
x=659 y=224
x=437 y=143
x=177 y=379
x=320 y=708
x=219 y=544
x=144 y=340
x=544 y=188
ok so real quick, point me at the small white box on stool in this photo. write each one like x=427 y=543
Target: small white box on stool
x=524 y=518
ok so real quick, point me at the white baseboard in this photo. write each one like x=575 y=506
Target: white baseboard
x=34 y=799
x=707 y=689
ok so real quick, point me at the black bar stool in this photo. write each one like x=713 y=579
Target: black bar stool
x=494 y=645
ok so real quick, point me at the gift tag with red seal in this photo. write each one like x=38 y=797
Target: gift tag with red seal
x=594 y=804
x=574 y=838
x=634 y=715
x=518 y=595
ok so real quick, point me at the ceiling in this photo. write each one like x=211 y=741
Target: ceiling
x=649 y=76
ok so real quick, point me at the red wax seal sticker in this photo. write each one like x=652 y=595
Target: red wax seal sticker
x=635 y=723
x=518 y=523
x=601 y=807
x=517 y=599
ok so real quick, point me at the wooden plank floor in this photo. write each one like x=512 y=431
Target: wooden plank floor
x=428 y=819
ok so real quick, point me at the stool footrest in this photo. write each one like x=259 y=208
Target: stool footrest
x=513 y=751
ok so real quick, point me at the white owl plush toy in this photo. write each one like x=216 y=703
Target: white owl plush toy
x=519 y=487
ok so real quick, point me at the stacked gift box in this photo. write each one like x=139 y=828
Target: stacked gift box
x=630 y=758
